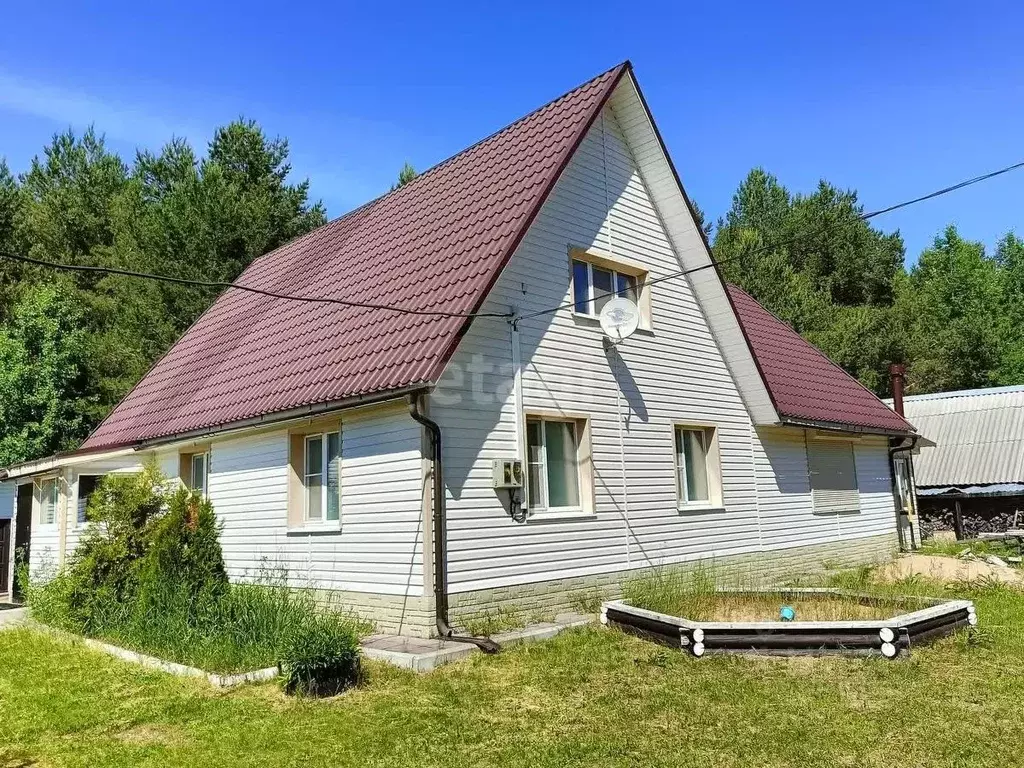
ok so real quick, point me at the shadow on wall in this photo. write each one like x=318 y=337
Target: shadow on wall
x=537 y=284
x=786 y=452
x=627 y=384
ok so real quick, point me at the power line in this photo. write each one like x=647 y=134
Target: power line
x=789 y=241
x=470 y=315
x=223 y=285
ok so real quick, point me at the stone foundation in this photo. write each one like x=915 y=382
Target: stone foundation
x=412 y=616
x=540 y=601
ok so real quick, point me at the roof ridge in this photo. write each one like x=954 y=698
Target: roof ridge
x=441 y=163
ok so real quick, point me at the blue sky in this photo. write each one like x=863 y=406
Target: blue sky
x=892 y=99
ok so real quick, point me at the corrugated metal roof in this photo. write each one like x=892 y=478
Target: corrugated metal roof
x=437 y=243
x=803 y=382
x=978 y=435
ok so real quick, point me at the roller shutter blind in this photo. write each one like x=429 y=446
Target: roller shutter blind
x=833 y=476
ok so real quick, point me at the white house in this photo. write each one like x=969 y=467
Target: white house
x=320 y=431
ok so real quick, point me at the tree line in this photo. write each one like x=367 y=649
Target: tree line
x=73 y=344
x=955 y=318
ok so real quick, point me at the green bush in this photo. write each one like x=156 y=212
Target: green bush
x=320 y=657
x=149 y=575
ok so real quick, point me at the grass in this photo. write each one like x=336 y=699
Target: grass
x=253 y=626
x=694 y=595
x=491 y=622
x=589 y=697
x=978 y=547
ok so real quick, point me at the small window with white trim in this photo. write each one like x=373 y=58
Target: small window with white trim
x=553 y=464
x=833 y=476
x=321 y=478
x=48 y=498
x=199 y=473
x=698 y=482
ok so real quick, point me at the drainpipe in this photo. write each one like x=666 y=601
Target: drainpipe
x=444 y=630
x=898 y=376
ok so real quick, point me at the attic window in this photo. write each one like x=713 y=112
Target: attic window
x=594 y=286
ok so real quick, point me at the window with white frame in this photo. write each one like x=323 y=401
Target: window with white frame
x=694 y=465
x=553 y=478
x=321 y=477
x=833 y=475
x=86 y=487
x=48 y=491
x=594 y=286
x=199 y=473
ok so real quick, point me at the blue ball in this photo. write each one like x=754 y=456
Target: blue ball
x=787 y=613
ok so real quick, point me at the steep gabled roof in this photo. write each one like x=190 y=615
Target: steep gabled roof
x=805 y=385
x=437 y=243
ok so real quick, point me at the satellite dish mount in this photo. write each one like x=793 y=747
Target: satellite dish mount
x=619 y=318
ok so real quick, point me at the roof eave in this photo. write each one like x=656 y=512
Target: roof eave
x=837 y=426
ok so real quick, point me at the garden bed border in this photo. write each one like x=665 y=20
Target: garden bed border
x=889 y=637
x=183 y=670
x=152 y=662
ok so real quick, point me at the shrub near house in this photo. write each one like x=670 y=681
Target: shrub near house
x=149 y=575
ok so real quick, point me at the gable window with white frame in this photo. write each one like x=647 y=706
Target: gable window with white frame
x=594 y=286
x=696 y=461
x=321 y=478
x=833 y=476
x=553 y=476
x=48 y=499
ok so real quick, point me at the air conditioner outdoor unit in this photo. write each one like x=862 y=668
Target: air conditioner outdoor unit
x=508 y=473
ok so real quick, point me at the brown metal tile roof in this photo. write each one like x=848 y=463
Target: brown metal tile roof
x=803 y=383
x=437 y=243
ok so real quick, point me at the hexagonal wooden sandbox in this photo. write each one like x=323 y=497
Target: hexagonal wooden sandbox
x=890 y=637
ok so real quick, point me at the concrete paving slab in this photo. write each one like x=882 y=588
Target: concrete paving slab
x=423 y=655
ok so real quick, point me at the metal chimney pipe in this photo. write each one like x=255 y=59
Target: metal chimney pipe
x=898 y=374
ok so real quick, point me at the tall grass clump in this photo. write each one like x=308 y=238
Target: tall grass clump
x=149 y=575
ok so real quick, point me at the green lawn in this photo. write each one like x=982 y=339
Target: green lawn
x=590 y=697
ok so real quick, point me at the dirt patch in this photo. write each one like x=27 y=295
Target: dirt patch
x=152 y=735
x=948 y=569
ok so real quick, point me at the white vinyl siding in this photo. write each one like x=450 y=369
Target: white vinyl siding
x=833 y=472
x=377 y=545
x=670 y=374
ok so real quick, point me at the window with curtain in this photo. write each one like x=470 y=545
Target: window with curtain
x=833 y=475
x=553 y=480
x=322 y=477
x=692 y=465
x=48 y=501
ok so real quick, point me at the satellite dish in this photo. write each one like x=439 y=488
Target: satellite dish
x=619 y=319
